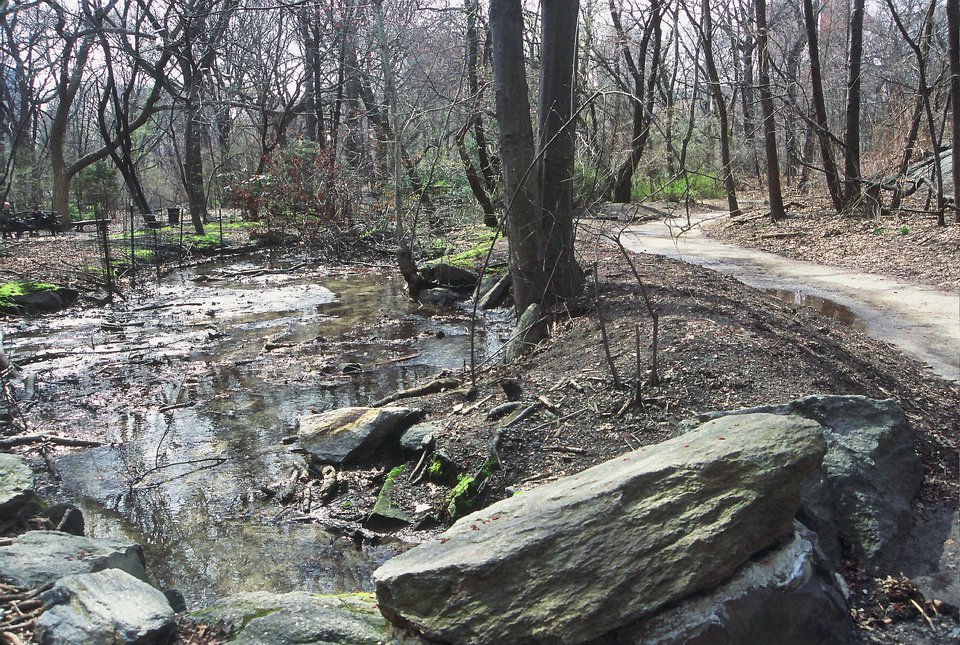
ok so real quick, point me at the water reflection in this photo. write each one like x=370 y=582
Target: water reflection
x=827 y=307
x=186 y=482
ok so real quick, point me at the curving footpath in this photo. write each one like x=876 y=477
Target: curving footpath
x=923 y=322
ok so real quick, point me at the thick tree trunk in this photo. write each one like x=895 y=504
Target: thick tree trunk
x=777 y=211
x=851 y=163
x=953 y=28
x=557 y=80
x=820 y=108
x=516 y=149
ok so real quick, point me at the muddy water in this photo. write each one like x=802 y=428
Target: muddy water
x=196 y=392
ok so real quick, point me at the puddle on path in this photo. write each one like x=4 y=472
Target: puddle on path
x=829 y=308
x=186 y=482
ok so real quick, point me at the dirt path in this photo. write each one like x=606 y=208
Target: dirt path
x=921 y=321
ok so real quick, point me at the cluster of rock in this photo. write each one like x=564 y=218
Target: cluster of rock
x=696 y=539
x=692 y=540
x=96 y=589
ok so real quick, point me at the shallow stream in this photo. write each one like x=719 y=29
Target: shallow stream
x=197 y=384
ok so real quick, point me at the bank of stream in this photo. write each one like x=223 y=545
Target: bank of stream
x=195 y=385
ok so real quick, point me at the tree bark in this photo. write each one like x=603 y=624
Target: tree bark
x=472 y=9
x=777 y=211
x=953 y=29
x=851 y=163
x=516 y=149
x=643 y=95
x=557 y=80
x=729 y=184
x=820 y=109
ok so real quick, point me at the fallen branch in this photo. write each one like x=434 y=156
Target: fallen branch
x=51 y=438
x=434 y=386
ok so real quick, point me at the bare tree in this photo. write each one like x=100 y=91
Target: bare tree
x=953 y=23
x=777 y=211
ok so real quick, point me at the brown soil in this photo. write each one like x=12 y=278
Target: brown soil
x=722 y=346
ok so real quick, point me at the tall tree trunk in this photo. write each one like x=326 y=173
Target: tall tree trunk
x=851 y=163
x=193 y=156
x=472 y=9
x=516 y=149
x=557 y=81
x=921 y=50
x=747 y=50
x=953 y=29
x=643 y=94
x=729 y=184
x=485 y=189
x=830 y=170
x=777 y=211
x=791 y=127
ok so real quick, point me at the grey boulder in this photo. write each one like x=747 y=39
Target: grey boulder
x=16 y=484
x=787 y=596
x=571 y=560
x=299 y=617
x=109 y=607
x=870 y=475
x=38 y=558
x=496 y=293
x=351 y=434
x=419 y=436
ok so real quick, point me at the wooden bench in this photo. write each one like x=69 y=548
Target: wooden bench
x=151 y=221
x=80 y=223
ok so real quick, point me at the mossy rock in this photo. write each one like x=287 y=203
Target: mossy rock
x=299 y=617
x=24 y=298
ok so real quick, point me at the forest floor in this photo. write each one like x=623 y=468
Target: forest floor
x=722 y=346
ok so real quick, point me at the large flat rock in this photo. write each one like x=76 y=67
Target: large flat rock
x=37 y=558
x=351 y=434
x=571 y=560
x=109 y=607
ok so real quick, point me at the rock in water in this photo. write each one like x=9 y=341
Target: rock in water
x=351 y=434
x=786 y=596
x=16 y=484
x=109 y=607
x=37 y=558
x=573 y=559
x=298 y=617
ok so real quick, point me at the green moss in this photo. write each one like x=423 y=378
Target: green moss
x=463 y=498
x=469 y=258
x=435 y=469
x=208 y=241
x=9 y=290
x=393 y=474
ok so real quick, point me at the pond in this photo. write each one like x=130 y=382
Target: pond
x=196 y=386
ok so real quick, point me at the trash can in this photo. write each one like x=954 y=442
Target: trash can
x=173 y=216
